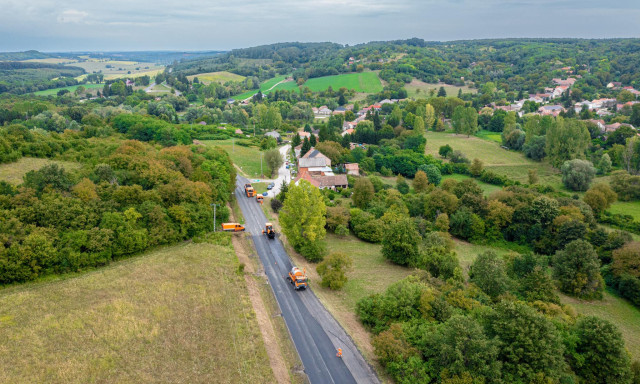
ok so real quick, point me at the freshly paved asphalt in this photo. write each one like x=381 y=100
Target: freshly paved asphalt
x=315 y=333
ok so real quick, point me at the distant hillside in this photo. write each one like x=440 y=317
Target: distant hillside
x=26 y=55
x=24 y=77
x=159 y=57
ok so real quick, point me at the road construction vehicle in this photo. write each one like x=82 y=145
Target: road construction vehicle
x=259 y=198
x=268 y=230
x=249 y=191
x=298 y=278
x=232 y=227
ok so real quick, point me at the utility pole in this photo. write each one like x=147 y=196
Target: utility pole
x=261 y=173
x=214 y=216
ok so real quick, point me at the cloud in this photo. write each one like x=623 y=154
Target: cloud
x=72 y=16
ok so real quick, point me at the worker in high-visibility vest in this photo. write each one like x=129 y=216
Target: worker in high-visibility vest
x=339 y=354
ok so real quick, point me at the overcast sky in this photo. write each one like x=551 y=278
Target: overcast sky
x=91 y=25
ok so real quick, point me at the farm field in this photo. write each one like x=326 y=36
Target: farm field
x=219 y=77
x=247 y=159
x=118 y=68
x=14 y=172
x=617 y=310
x=366 y=82
x=51 y=60
x=631 y=208
x=179 y=314
x=72 y=88
x=420 y=89
x=263 y=87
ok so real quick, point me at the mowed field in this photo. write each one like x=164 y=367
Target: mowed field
x=14 y=172
x=267 y=85
x=364 y=82
x=218 y=77
x=118 y=68
x=510 y=163
x=247 y=159
x=49 y=92
x=176 y=314
x=631 y=208
x=420 y=89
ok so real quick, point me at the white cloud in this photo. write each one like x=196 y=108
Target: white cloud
x=72 y=16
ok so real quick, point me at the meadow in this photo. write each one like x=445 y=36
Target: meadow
x=247 y=159
x=420 y=89
x=72 y=88
x=631 y=208
x=14 y=172
x=364 y=82
x=179 y=314
x=218 y=77
x=267 y=85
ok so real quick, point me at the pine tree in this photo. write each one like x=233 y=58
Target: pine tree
x=442 y=92
x=306 y=146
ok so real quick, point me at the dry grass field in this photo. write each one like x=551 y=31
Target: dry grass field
x=178 y=314
x=14 y=172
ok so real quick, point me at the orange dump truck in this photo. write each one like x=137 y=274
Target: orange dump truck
x=232 y=227
x=298 y=278
x=259 y=198
x=249 y=191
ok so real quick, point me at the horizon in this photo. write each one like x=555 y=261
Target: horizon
x=220 y=50
x=117 y=25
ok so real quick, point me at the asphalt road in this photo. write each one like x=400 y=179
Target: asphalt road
x=315 y=333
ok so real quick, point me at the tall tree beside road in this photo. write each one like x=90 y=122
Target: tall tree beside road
x=303 y=219
x=273 y=159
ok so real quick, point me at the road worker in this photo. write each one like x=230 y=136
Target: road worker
x=339 y=354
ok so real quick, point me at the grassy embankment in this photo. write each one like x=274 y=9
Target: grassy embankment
x=178 y=314
x=247 y=159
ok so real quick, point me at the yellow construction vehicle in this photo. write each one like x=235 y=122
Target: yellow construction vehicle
x=298 y=278
x=232 y=227
x=268 y=230
x=249 y=191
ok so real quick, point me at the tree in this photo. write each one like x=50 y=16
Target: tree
x=533 y=177
x=604 y=165
x=363 y=193
x=535 y=149
x=442 y=92
x=600 y=197
x=50 y=176
x=429 y=116
x=488 y=272
x=296 y=140
x=306 y=147
x=577 y=174
x=418 y=126
x=85 y=190
x=420 y=182
x=600 y=355
x=465 y=120
x=313 y=140
x=274 y=160
x=442 y=222
x=577 y=269
x=445 y=150
x=303 y=220
x=433 y=173
x=476 y=167
x=333 y=270
x=401 y=185
x=525 y=354
x=567 y=139
x=626 y=260
x=400 y=242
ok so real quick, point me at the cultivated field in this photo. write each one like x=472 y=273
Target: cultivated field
x=365 y=82
x=51 y=60
x=177 y=314
x=247 y=159
x=218 y=77
x=420 y=89
x=115 y=69
x=14 y=172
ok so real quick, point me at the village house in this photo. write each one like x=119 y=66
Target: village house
x=315 y=167
x=352 y=169
x=324 y=111
x=551 y=110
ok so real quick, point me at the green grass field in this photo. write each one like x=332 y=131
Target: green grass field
x=263 y=87
x=626 y=208
x=14 y=172
x=420 y=90
x=176 y=314
x=72 y=88
x=618 y=311
x=510 y=163
x=219 y=77
x=246 y=158
x=365 y=82
x=491 y=136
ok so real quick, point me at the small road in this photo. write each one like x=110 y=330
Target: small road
x=315 y=333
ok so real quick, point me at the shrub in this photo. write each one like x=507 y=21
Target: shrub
x=577 y=174
x=458 y=157
x=333 y=270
